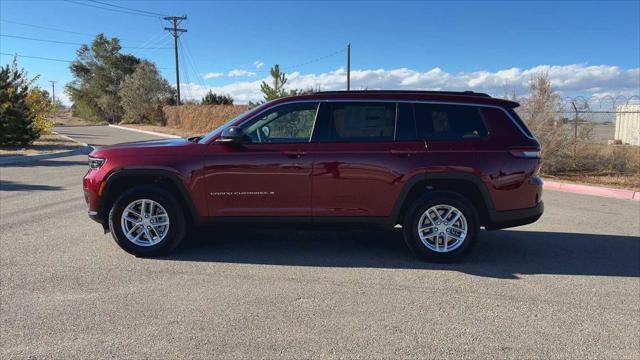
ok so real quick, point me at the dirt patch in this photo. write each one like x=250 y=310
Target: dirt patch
x=64 y=117
x=47 y=144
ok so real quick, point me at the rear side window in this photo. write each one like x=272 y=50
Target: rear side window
x=361 y=122
x=519 y=122
x=448 y=122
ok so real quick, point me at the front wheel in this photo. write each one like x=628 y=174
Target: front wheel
x=147 y=221
x=440 y=227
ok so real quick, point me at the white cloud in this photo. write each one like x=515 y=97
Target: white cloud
x=258 y=64
x=568 y=80
x=240 y=72
x=213 y=75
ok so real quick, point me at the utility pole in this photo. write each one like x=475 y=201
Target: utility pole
x=53 y=90
x=175 y=21
x=348 y=67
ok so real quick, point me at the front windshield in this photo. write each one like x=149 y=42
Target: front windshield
x=220 y=129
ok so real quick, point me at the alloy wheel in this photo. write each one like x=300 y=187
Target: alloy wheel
x=144 y=222
x=442 y=228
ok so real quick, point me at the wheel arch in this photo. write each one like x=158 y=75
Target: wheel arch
x=121 y=180
x=467 y=185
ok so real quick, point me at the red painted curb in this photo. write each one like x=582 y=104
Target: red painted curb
x=593 y=190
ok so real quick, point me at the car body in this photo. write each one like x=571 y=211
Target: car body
x=358 y=158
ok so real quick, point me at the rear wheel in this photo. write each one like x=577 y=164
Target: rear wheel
x=147 y=221
x=440 y=226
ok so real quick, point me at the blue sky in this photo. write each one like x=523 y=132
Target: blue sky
x=586 y=47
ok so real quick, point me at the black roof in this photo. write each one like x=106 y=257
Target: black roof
x=424 y=92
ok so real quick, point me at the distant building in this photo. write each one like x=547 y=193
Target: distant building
x=628 y=124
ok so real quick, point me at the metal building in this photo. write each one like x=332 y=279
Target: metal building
x=628 y=124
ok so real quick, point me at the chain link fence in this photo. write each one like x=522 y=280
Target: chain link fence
x=603 y=120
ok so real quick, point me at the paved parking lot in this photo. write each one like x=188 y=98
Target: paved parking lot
x=567 y=286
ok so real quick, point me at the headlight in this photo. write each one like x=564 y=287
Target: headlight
x=95 y=162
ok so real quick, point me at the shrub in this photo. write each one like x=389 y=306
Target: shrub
x=213 y=99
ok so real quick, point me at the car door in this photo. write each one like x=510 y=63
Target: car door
x=359 y=168
x=269 y=173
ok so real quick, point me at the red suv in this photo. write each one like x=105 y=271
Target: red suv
x=440 y=164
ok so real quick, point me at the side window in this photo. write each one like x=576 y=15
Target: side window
x=292 y=123
x=361 y=122
x=448 y=122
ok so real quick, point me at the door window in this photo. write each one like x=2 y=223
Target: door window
x=286 y=124
x=358 y=122
x=448 y=122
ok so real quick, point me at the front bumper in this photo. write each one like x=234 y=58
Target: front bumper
x=512 y=218
x=91 y=187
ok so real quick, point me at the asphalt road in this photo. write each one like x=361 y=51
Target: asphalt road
x=567 y=286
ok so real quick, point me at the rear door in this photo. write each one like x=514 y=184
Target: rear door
x=359 y=167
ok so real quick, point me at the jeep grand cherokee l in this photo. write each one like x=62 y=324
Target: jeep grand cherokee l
x=441 y=164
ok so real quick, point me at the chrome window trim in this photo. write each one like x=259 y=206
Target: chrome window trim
x=319 y=101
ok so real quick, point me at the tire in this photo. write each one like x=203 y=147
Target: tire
x=147 y=243
x=432 y=248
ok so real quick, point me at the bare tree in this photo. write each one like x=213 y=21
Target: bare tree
x=539 y=111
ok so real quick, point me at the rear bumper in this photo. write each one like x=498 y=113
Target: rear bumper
x=512 y=218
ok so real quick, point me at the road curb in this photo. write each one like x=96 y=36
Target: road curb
x=27 y=158
x=593 y=190
x=145 y=132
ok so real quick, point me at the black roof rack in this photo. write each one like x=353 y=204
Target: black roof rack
x=426 y=92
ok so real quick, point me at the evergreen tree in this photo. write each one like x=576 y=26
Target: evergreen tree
x=16 y=119
x=213 y=99
x=98 y=73
x=277 y=90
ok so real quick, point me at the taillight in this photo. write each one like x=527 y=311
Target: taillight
x=527 y=154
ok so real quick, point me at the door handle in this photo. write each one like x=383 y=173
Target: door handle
x=294 y=154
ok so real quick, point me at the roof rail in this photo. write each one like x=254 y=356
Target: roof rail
x=426 y=92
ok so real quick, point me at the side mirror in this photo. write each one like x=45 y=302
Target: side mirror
x=231 y=135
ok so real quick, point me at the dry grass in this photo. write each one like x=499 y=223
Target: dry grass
x=200 y=119
x=598 y=164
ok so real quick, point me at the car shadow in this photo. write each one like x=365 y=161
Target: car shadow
x=498 y=254
x=16 y=186
x=47 y=163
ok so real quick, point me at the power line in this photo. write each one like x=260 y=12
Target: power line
x=289 y=68
x=36 y=57
x=61 y=30
x=49 y=59
x=45 y=27
x=109 y=9
x=65 y=42
x=299 y=65
x=158 y=39
x=192 y=62
x=127 y=8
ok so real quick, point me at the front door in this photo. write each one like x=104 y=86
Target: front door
x=269 y=174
